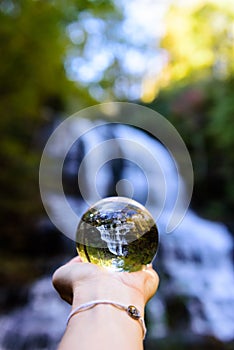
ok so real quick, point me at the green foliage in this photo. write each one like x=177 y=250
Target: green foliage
x=199 y=41
x=203 y=115
x=198 y=99
x=27 y=80
x=34 y=88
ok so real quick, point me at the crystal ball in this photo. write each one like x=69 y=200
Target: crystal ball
x=117 y=233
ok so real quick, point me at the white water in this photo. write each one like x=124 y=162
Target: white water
x=38 y=325
x=198 y=260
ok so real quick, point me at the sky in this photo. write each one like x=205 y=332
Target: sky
x=133 y=43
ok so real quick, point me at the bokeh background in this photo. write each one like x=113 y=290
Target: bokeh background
x=57 y=57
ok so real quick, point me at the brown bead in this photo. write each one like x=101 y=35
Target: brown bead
x=133 y=312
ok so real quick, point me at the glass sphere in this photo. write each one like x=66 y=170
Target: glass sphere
x=117 y=233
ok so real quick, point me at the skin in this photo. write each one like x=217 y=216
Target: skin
x=103 y=327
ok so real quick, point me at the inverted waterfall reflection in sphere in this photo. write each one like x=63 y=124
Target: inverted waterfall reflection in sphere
x=117 y=233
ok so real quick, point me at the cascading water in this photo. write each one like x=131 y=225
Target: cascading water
x=39 y=324
x=115 y=239
x=194 y=261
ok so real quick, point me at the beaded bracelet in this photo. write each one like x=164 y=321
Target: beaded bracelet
x=131 y=310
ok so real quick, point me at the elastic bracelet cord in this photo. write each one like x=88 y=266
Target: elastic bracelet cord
x=131 y=310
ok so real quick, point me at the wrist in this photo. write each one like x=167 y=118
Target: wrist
x=130 y=310
x=108 y=289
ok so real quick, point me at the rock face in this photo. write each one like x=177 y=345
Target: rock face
x=196 y=293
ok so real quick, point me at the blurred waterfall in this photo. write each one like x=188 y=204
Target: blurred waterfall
x=196 y=293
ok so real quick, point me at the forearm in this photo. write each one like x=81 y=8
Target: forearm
x=104 y=326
